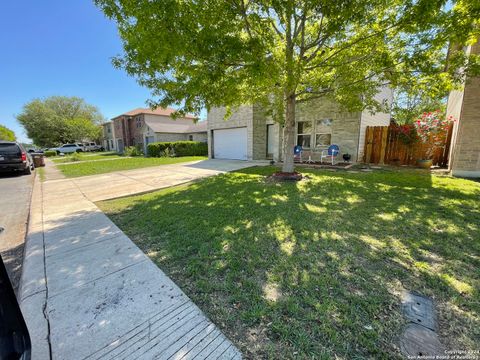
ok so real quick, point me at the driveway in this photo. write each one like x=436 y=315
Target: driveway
x=129 y=182
x=15 y=193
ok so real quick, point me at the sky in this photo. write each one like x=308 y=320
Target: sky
x=61 y=47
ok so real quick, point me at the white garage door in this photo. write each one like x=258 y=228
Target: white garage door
x=230 y=143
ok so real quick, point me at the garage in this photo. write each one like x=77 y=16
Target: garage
x=230 y=143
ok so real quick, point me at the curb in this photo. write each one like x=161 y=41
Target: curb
x=32 y=293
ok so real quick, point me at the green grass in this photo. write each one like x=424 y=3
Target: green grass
x=86 y=157
x=315 y=269
x=101 y=167
x=41 y=173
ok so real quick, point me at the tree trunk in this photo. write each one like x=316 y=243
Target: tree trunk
x=289 y=136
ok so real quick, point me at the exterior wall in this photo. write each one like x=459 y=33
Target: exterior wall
x=108 y=137
x=259 y=133
x=167 y=119
x=242 y=117
x=345 y=125
x=202 y=136
x=345 y=128
x=137 y=128
x=121 y=131
x=385 y=95
x=165 y=137
x=465 y=106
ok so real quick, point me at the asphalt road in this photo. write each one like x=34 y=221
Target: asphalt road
x=15 y=194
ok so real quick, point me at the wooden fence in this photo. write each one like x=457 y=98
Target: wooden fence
x=384 y=145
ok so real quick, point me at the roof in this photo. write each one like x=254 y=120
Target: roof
x=157 y=111
x=177 y=128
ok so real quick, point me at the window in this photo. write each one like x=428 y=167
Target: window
x=190 y=137
x=323 y=133
x=304 y=133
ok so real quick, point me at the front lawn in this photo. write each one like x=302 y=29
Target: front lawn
x=105 y=166
x=86 y=157
x=315 y=269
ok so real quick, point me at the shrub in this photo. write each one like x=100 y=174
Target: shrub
x=157 y=149
x=133 y=151
x=50 y=153
x=75 y=157
x=177 y=148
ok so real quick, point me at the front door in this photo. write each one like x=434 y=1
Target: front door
x=120 y=145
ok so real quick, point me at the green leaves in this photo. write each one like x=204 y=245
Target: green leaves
x=7 y=134
x=226 y=53
x=60 y=119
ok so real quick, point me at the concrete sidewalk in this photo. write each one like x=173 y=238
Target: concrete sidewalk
x=88 y=292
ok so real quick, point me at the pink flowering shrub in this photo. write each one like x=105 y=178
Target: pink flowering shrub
x=407 y=133
x=432 y=128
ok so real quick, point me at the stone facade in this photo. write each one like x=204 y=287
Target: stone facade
x=344 y=127
x=465 y=106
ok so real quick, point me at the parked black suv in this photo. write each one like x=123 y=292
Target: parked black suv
x=13 y=157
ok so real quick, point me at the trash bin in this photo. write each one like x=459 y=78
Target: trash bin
x=38 y=160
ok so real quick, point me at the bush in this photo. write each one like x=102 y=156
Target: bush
x=177 y=148
x=50 y=153
x=75 y=157
x=133 y=151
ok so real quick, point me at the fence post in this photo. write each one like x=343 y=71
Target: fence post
x=384 y=144
x=368 y=144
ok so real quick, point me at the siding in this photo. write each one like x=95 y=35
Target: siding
x=374 y=119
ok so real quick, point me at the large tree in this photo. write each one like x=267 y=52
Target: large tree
x=205 y=53
x=6 y=134
x=60 y=119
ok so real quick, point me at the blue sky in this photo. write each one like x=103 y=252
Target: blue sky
x=61 y=47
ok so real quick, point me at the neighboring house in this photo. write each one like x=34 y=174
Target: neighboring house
x=141 y=126
x=464 y=105
x=108 y=137
x=249 y=135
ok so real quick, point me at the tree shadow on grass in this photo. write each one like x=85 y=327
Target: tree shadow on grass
x=316 y=268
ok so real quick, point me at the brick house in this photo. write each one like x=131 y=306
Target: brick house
x=143 y=126
x=249 y=135
x=464 y=105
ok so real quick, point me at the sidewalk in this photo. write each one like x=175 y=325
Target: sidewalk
x=88 y=292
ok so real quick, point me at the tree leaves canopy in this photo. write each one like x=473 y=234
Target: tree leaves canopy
x=60 y=119
x=6 y=134
x=207 y=53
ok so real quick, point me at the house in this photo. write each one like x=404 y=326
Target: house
x=250 y=135
x=142 y=126
x=464 y=105
x=108 y=137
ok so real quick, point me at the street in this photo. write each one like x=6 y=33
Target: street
x=15 y=193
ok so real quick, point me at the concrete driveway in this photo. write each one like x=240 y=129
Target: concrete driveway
x=129 y=182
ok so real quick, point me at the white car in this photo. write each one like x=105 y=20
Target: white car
x=91 y=146
x=69 y=148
